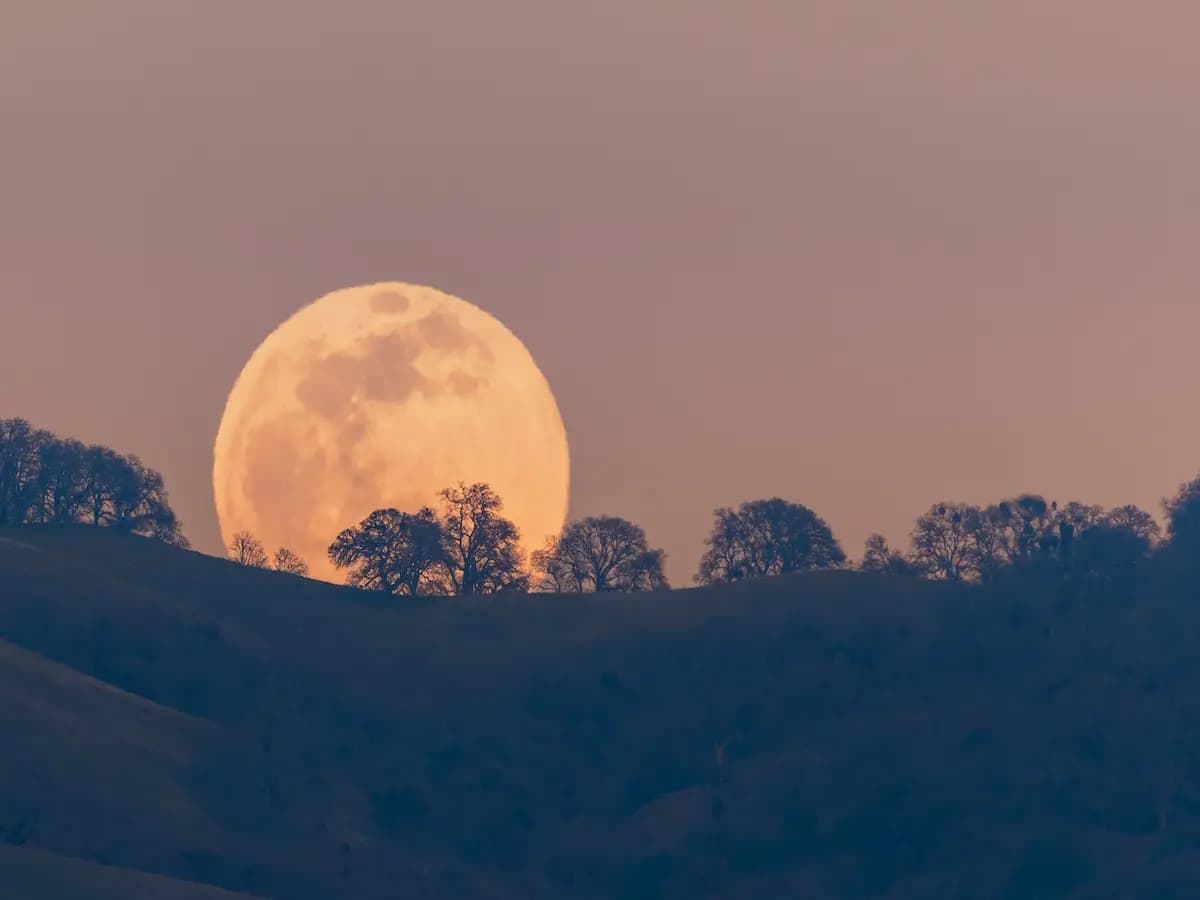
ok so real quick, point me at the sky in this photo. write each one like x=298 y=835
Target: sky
x=861 y=254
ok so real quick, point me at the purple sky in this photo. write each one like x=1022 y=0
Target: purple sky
x=863 y=255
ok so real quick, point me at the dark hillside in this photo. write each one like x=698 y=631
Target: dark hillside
x=828 y=735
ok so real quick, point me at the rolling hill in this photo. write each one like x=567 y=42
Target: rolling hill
x=175 y=726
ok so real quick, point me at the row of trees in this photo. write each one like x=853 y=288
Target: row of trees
x=960 y=542
x=956 y=542
x=46 y=480
x=472 y=548
x=247 y=550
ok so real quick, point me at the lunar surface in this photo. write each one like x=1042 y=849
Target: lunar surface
x=381 y=396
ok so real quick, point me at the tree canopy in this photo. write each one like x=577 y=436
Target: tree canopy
x=482 y=548
x=767 y=537
x=393 y=552
x=46 y=480
x=247 y=550
x=600 y=553
x=470 y=549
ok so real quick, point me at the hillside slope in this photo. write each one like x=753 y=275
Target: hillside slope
x=831 y=735
x=36 y=875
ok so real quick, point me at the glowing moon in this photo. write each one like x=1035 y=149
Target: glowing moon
x=380 y=396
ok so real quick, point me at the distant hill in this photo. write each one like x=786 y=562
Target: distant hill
x=172 y=724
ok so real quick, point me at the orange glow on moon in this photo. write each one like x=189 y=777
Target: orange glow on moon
x=380 y=396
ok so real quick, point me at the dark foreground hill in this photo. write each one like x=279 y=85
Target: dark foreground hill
x=172 y=725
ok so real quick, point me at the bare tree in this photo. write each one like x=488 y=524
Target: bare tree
x=289 y=562
x=553 y=572
x=247 y=550
x=601 y=553
x=482 y=548
x=946 y=542
x=20 y=460
x=767 y=537
x=1135 y=520
x=60 y=483
x=393 y=552
x=879 y=557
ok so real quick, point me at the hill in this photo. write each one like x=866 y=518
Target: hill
x=174 y=724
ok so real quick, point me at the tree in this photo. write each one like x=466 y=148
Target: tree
x=553 y=571
x=60 y=485
x=1108 y=551
x=600 y=553
x=1183 y=521
x=482 y=548
x=648 y=572
x=20 y=461
x=1015 y=531
x=767 y=537
x=879 y=557
x=946 y=543
x=394 y=553
x=289 y=562
x=1135 y=520
x=138 y=501
x=247 y=550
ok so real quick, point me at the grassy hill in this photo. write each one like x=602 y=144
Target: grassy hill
x=172 y=724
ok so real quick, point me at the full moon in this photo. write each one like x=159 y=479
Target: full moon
x=381 y=396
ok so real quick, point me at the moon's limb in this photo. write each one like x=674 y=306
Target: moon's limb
x=380 y=396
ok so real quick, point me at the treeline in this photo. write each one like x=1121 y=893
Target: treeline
x=470 y=547
x=960 y=542
x=47 y=480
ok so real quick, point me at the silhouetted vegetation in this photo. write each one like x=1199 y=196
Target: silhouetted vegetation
x=1022 y=733
x=289 y=562
x=394 y=552
x=958 y=542
x=483 y=549
x=46 y=480
x=1003 y=710
x=767 y=537
x=247 y=550
x=470 y=549
x=879 y=557
x=599 y=553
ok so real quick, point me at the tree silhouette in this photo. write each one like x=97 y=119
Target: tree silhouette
x=61 y=483
x=1137 y=521
x=45 y=480
x=393 y=552
x=482 y=548
x=1015 y=531
x=1109 y=550
x=20 y=456
x=957 y=542
x=289 y=562
x=600 y=553
x=140 y=504
x=879 y=557
x=1183 y=522
x=767 y=537
x=553 y=572
x=247 y=550
x=945 y=542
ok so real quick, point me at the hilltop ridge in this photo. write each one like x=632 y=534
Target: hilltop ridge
x=190 y=724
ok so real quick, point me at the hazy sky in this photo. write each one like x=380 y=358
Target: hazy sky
x=863 y=255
